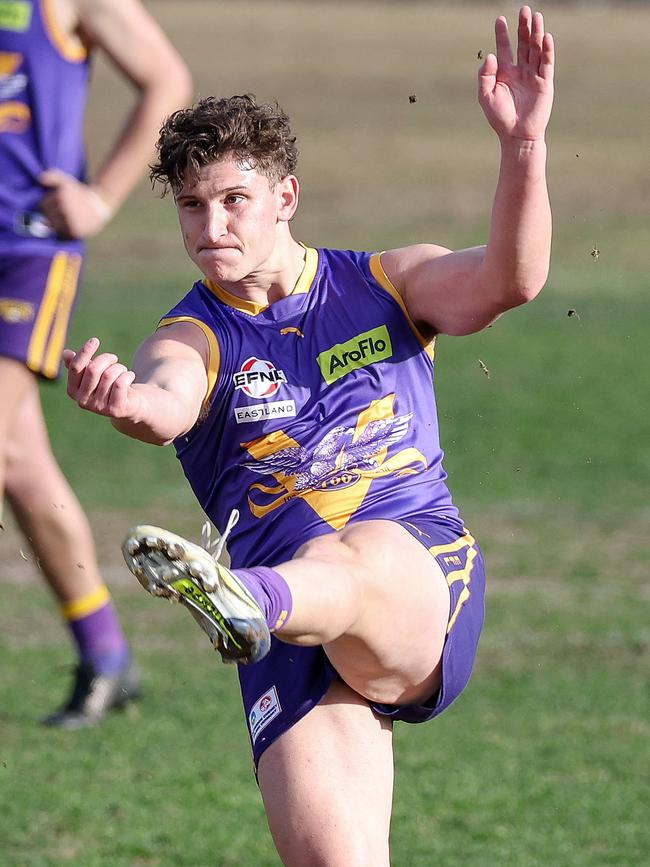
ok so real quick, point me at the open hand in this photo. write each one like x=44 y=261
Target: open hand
x=517 y=97
x=102 y=385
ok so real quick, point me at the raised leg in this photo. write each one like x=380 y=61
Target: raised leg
x=378 y=602
x=371 y=594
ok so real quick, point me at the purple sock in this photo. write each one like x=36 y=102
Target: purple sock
x=100 y=640
x=270 y=591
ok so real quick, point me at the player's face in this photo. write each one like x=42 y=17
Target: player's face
x=229 y=218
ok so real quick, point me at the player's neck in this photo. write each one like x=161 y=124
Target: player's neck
x=276 y=277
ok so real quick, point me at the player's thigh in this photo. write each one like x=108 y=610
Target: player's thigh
x=393 y=652
x=327 y=785
x=29 y=457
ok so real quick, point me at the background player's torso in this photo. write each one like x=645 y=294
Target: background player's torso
x=322 y=411
x=43 y=86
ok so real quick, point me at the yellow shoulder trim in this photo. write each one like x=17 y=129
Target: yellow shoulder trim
x=68 y=47
x=303 y=285
x=214 y=360
x=377 y=271
x=310 y=267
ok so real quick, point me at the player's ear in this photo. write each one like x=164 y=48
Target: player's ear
x=288 y=191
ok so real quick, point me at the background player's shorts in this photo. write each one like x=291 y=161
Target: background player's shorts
x=285 y=685
x=37 y=297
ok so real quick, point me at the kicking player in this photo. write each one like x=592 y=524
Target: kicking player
x=296 y=386
x=47 y=208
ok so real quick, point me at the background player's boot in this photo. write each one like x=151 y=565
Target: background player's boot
x=169 y=566
x=94 y=695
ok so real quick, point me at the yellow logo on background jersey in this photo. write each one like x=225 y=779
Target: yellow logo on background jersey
x=9 y=62
x=15 y=312
x=334 y=476
x=14 y=117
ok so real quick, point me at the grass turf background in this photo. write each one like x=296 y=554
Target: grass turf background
x=543 y=760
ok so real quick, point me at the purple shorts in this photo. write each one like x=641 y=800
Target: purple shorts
x=37 y=297
x=285 y=685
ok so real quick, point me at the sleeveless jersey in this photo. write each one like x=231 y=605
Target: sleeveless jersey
x=320 y=412
x=43 y=87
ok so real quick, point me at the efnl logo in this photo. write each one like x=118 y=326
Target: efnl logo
x=361 y=351
x=259 y=378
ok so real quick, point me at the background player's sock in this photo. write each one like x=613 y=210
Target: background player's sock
x=270 y=591
x=97 y=632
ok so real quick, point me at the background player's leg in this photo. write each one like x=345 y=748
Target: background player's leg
x=15 y=382
x=55 y=525
x=327 y=785
x=45 y=506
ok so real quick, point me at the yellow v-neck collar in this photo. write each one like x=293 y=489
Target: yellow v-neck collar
x=303 y=285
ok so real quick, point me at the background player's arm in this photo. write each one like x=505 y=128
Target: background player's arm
x=134 y=42
x=160 y=398
x=461 y=292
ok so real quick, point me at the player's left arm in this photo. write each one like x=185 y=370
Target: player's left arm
x=131 y=38
x=463 y=291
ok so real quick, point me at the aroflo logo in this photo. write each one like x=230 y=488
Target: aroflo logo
x=362 y=350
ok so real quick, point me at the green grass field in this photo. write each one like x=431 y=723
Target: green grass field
x=544 y=760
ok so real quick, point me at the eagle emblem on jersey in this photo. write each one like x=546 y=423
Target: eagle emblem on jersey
x=334 y=475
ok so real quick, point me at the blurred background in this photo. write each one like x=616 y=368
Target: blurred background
x=544 y=419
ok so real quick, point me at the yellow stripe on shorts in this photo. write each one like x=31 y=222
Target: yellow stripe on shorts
x=62 y=316
x=464 y=574
x=54 y=311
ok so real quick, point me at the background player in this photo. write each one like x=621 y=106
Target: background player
x=355 y=554
x=46 y=210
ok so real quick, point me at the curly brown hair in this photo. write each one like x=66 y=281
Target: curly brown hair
x=255 y=135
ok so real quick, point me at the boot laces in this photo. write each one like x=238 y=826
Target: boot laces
x=215 y=547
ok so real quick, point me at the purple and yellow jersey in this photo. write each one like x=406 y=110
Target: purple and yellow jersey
x=43 y=87
x=320 y=410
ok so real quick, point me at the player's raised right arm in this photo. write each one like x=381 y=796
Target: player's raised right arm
x=156 y=401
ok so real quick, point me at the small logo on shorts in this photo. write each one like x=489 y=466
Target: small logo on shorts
x=265 y=709
x=16 y=312
x=259 y=378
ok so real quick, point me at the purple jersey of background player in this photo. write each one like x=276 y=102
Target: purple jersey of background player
x=321 y=410
x=43 y=88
